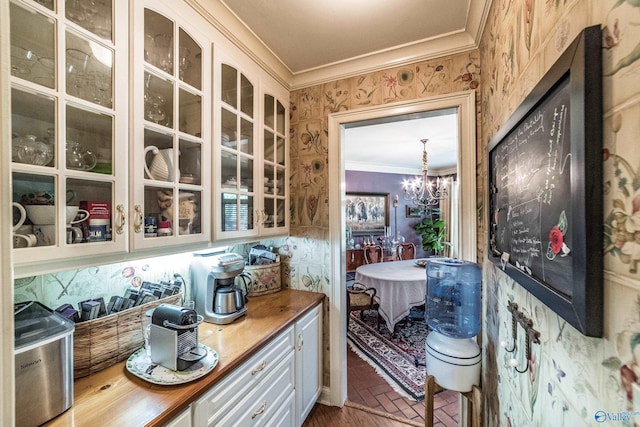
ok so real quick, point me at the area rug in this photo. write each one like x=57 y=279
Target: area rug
x=398 y=359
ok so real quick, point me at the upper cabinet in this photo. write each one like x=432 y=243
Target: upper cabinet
x=68 y=120
x=171 y=134
x=130 y=134
x=251 y=151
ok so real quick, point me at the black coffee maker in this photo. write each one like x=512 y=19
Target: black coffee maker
x=213 y=279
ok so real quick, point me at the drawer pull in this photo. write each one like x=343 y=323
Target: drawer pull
x=259 y=368
x=260 y=410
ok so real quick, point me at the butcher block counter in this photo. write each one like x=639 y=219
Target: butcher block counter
x=116 y=397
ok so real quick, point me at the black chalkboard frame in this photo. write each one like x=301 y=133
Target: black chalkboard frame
x=581 y=64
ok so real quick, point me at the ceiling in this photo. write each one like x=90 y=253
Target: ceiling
x=329 y=39
x=393 y=145
x=307 y=35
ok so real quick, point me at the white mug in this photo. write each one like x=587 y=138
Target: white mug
x=84 y=212
x=23 y=215
x=24 y=240
x=74 y=235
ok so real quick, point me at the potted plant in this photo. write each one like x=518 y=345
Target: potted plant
x=432 y=232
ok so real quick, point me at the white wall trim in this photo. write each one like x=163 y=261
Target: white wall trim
x=465 y=103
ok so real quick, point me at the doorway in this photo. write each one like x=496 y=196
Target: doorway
x=464 y=103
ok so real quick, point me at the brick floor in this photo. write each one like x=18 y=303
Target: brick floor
x=366 y=387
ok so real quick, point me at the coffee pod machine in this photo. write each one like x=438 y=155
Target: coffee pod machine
x=213 y=281
x=173 y=337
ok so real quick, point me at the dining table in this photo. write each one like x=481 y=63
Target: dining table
x=399 y=286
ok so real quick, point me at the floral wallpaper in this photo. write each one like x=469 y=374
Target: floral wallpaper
x=572 y=379
x=308 y=265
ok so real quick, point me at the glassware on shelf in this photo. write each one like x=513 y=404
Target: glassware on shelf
x=163 y=44
x=28 y=149
x=184 y=61
x=78 y=158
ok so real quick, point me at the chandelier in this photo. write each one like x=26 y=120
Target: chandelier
x=422 y=191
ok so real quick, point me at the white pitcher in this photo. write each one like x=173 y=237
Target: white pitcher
x=161 y=168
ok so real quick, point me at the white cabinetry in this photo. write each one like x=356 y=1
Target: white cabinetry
x=170 y=141
x=182 y=420
x=69 y=123
x=255 y=391
x=251 y=150
x=277 y=386
x=308 y=350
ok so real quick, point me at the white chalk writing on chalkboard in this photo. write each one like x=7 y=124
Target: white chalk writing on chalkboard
x=531 y=187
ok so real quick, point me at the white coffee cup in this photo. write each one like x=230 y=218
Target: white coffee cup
x=74 y=234
x=24 y=240
x=23 y=216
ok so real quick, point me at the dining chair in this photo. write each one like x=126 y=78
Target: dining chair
x=373 y=254
x=405 y=251
x=361 y=298
x=354 y=259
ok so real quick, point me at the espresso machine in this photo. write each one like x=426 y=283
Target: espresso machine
x=213 y=281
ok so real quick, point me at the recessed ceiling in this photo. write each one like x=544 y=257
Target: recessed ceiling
x=393 y=145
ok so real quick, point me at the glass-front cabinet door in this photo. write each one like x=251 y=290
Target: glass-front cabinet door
x=68 y=123
x=236 y=162
x=171 y=139
x=274 y=216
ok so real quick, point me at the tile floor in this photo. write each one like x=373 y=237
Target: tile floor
x=366 y=387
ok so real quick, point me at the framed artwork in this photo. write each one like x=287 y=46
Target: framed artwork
x=413 y=211
x=545 y=186
x=367 y=213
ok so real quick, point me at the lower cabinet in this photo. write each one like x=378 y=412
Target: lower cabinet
x=182 y=420
x=308 y=351
x=277 y=386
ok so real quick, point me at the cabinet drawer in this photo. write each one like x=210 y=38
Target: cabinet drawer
x=260 y=403
x=224 y=395
x=285 y=415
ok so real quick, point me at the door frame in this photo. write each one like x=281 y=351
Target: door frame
x=464 y=103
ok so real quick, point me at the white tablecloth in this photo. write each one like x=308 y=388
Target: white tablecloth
x=400 y=285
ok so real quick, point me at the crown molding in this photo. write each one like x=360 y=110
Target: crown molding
x=233 y=29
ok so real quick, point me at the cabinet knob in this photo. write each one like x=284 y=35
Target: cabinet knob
x=138 y=221
x=122 y=219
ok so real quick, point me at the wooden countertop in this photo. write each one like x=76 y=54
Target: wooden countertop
x=116 y=397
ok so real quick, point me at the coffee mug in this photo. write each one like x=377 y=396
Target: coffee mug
x=74 y=235
x=23 y=216
x=83 y=212
x=24 y=240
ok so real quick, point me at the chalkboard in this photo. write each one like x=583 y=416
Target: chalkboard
x=545 y=188
x=532 y=192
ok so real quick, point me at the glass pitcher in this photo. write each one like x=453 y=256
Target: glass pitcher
x=78 y=158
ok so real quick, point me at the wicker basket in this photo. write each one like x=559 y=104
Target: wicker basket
x=265 y=279
x=103 y=342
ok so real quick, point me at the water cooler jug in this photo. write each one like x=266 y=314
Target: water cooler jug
x=453 y=306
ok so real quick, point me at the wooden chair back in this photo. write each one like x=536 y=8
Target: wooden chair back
x=355 y=258
x=373 y=254
x=405 y=251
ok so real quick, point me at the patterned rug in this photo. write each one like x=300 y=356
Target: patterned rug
x=394 y=358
